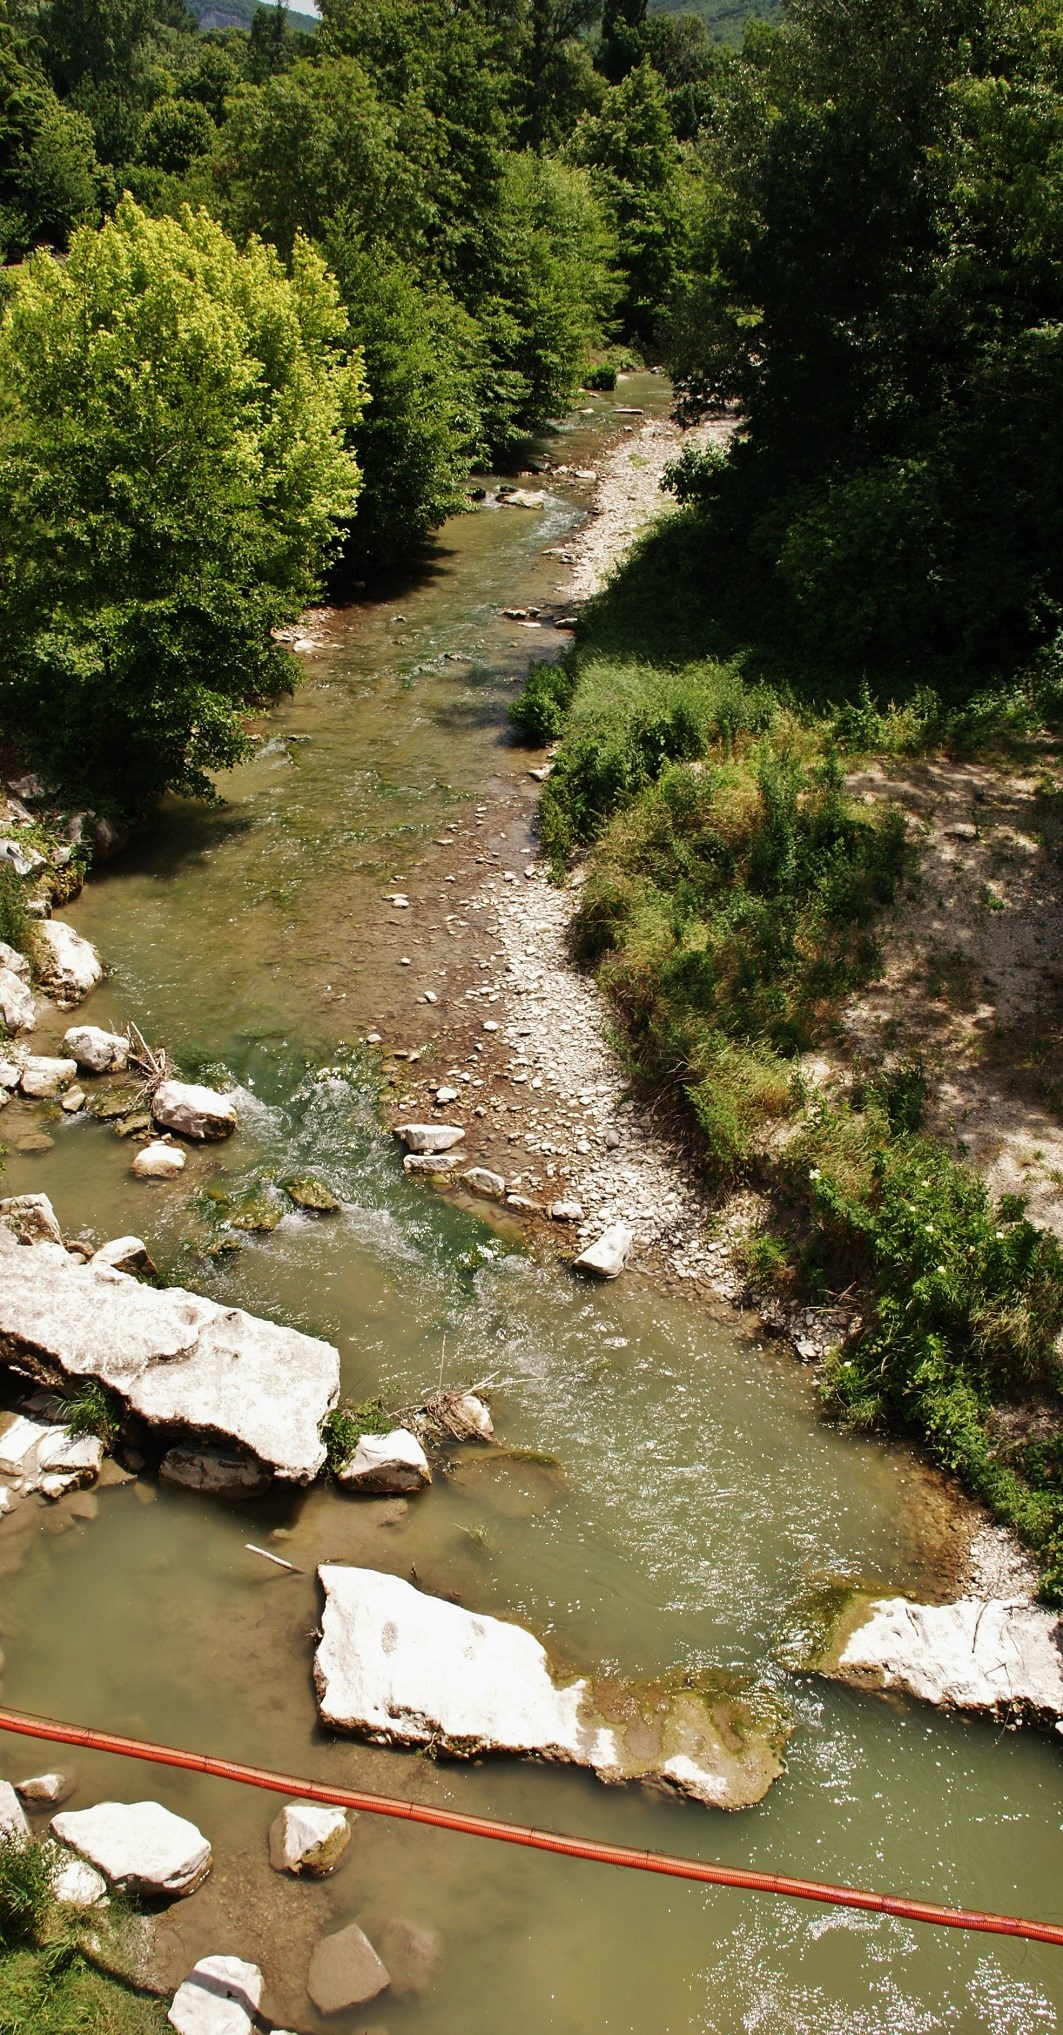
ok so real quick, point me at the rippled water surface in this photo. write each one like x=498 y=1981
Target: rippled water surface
x=695 y=1495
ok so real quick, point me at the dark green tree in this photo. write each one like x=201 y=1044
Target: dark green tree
x=634 y=162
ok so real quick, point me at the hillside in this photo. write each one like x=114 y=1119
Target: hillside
x=725 y=19
x=238 y=13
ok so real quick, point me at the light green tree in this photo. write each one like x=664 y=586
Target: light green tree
x=173 y=471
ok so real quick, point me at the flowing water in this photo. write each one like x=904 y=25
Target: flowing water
x=696 y=1494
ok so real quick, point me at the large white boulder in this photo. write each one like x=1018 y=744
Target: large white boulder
x=43 y=1077
x=192 y=1111
x=18 y=1012
x=159 y=1161
x=177 y=1360
x=96 y=1051
x=68 y=967
x=393 y=1462
x=998 y=1656
x=220 y=1996
x=31 y=1219
x=399 y=1667
x=606 y=1258
x=139 y=1847
x=429 y=1137
x=308 y=1837
x=345 y=1971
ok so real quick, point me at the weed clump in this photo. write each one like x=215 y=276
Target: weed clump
x=343 y=1428
x=95 y=1410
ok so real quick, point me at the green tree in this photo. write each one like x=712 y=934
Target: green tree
x=422 y=423
x=634 y=162
x=48 y=168
x=172 y=423
x=556 y=79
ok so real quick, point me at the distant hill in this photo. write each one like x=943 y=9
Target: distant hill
x=237 y=14
x=724 y=19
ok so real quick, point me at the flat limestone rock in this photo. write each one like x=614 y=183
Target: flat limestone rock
x=192 y=1111
x=429 y=1137
x=606 y=1258
x=399 y=1667
x=481 y=1180
x=139 y=1847
x=177 y=1360
x=220 y=1996
x=999 y=1657
x=96 y=1051
x=308 y=1837
x=429 y=1162
x=345 y=1971
x=68 y=967
x=392 y=1463
x=78 y=1885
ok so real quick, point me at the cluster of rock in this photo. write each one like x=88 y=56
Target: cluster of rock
x=241 y=1398
x=431 y=1149
x=145 y=1853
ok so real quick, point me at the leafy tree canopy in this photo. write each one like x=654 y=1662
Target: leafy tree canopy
x=172 y=419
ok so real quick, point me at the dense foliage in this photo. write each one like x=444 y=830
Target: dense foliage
x=876 y=284
x=172 y=460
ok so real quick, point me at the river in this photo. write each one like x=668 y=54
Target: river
x=696 y=1498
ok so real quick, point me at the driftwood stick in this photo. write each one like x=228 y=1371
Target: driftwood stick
x=267 y=1557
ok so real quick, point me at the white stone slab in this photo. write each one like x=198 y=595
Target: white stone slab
x=138 y=1846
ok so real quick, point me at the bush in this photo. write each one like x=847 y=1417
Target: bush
x=539 y=712
x=27 y=1876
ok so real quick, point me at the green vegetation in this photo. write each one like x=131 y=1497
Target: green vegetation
x=172 y=454
x=45 y=1983
x=95 y=1410
x=16 y=925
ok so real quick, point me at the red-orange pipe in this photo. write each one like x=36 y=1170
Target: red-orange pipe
x=535 y=1840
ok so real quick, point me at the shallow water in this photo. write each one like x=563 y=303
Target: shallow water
x=697 y=1493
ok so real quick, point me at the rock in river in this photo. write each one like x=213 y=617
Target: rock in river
x=429 y=1137
x=193 y=1112
x=393 y=1463
x=67 y=966
x=31 y=1218
x=399 y=1667
x=159 y=1161
x=178 y=1361
x=607 y=1257
x=308 y=1837
x=207 y=1470
x=138 y=1846
x=220 y=1996
x=96 y=1051
x=1000 y=1657
x=345 y=1971
x=43 y=1078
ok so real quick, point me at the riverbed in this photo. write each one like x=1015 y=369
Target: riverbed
x=688 y=1501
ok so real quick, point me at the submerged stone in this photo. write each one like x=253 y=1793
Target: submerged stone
x=310 y=1194
x=399 y=1667
x=345 y=1971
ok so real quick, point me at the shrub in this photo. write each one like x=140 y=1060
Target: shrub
x=27 y=1876
x=95 y=1410
x=539 y=711
x=16 y=925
